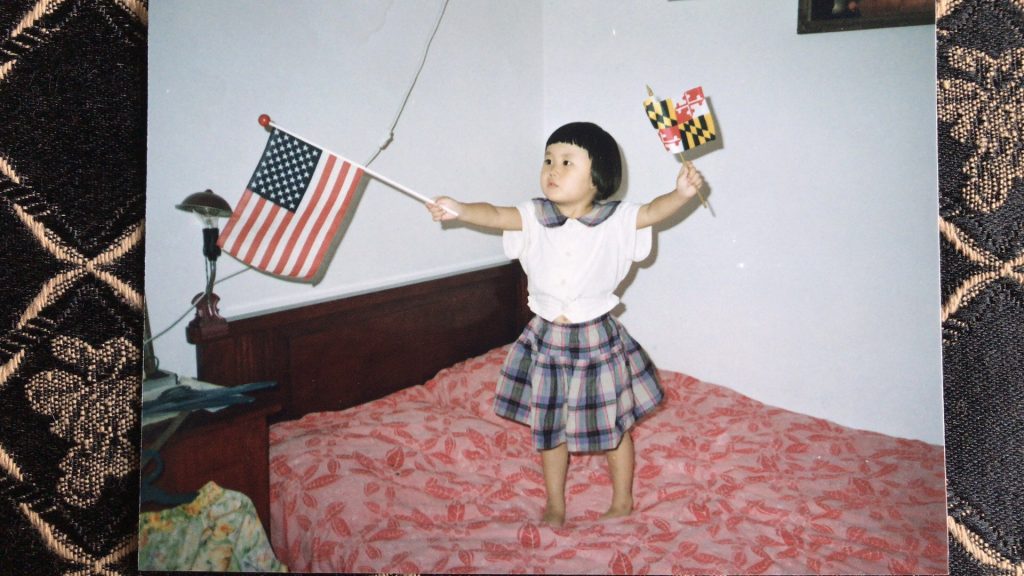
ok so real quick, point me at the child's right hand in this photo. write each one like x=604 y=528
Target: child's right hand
x=440 y=214
x=689 y=180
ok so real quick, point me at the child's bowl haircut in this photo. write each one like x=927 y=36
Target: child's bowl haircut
x=605 y=159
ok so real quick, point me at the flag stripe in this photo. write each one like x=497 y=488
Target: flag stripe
x=276 y=216
x=317 y=213
x=292 y=228
x=338 y=215
x=243 y=240
x=248 y=211
x=286 y=217
x=315 y=233
x=299 y=232
x=281 y=252
x=226 y=241
x=257 y=241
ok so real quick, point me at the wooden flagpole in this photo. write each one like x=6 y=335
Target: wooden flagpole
x=265 y=121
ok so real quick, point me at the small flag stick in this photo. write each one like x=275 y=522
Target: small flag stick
x=650 y=93
x=265 y=121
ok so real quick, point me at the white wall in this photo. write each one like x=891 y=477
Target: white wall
x=815 y=285
x=335 y=72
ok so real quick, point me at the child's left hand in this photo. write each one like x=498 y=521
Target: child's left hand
x=689 y=180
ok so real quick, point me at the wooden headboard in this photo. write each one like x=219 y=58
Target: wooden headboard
x=337 y=354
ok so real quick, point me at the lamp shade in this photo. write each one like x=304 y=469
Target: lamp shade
x=206 y=204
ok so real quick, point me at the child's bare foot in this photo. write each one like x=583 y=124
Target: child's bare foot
x=618 y=510
x=555 y=463
x=620 y=465
x=554 y=516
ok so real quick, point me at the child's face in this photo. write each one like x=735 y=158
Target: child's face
x=565 y=179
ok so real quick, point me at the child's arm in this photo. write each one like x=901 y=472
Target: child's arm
x=688 y=182
x=478 y=213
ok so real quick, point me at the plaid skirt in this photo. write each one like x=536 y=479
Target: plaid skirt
x=583 y=384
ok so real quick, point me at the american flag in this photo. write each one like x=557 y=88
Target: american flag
x=291 y=209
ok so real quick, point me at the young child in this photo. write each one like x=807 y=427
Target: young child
x=575 y=376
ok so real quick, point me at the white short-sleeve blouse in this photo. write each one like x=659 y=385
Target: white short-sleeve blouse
x=572 y=269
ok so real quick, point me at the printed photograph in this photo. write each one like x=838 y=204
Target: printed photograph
x=543 y=287
x=839 y=15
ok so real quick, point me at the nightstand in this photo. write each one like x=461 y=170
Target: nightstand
x=230 y=447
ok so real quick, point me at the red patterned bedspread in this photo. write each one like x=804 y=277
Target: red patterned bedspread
x=430 y=480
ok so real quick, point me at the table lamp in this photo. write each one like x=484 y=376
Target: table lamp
x=209 y=208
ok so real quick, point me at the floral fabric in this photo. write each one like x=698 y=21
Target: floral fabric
x=431 y=480
x=217 y=532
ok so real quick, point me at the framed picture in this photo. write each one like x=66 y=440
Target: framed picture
x=837 y=15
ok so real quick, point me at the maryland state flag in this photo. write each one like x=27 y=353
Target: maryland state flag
x=684 y=124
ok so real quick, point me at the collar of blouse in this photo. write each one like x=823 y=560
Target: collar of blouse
x=550 y=217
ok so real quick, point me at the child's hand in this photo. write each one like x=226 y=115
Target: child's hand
x=689 y=180
x=440 y=214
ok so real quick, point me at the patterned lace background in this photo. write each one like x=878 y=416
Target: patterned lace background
x=72 y=202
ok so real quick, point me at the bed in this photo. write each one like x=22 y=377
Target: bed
x=387 y=457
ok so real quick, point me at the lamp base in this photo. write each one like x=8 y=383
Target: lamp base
x=207 y=322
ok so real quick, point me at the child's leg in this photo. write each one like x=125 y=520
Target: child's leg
x=620 y=467
x=555 y=463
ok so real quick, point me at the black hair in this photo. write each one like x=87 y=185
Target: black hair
x=605 y=161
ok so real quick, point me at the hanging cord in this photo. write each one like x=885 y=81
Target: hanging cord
x=426 y=50
x=380 y=148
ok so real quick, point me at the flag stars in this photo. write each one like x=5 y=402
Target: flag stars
x=285 y=170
